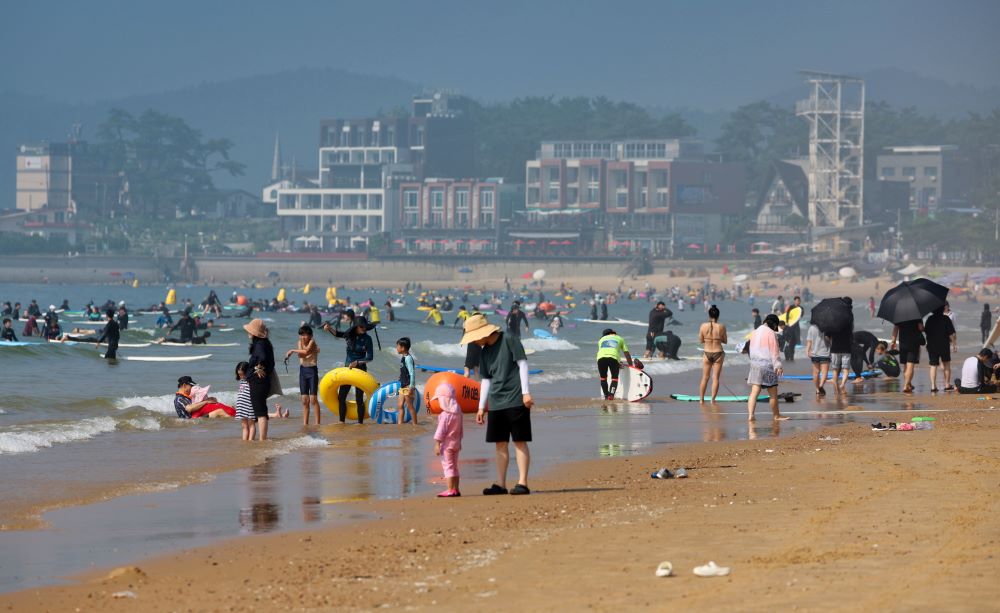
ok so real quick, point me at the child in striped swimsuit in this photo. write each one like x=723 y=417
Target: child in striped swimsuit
x=244 y=410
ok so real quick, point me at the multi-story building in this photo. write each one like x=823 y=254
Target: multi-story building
x=452 y=215
x=44 y=176
x=629 y=195
x=938 y=175
x=361 y=164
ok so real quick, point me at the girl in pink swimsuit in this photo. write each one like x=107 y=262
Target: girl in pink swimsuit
x=448 y=437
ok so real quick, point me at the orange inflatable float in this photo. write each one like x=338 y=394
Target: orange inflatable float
x=466 y=392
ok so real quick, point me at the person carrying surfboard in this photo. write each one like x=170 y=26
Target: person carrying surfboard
x=793 y=333
x=611 y=348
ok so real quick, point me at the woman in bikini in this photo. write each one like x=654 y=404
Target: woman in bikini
x=712 y=336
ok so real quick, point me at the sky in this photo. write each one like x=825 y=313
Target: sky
x=694 y=52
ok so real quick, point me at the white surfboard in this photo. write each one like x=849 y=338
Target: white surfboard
x=199 y=345
x=994 y=335
x=633 y=385
x=182 y=358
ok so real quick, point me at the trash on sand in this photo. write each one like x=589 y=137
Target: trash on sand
x=922 y=419
x=828 y=438
x=665 y=569
x=663 y=473
x=769 y=451
x=680 y=473
x=711 y=570
x=124 y=594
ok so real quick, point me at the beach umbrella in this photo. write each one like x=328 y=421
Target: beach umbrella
x=911 y=300
x=780 y=269
x=847 y=272
x=526 y=275
x=519 y=242
x=567 y=242
x=740 y=278
x=553 y=242
x=538 y=275
x=992 y=280
x=694 y=246
x=832 y=315
x=531 y=242
x=465 y=269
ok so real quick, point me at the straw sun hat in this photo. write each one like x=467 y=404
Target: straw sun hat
x=256 y=328
x=476 y=327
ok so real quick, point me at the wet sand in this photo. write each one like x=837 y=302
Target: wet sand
x=874 y=520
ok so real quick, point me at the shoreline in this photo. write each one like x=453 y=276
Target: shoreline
x=873 y=523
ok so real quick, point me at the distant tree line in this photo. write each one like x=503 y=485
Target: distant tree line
x=168 y=165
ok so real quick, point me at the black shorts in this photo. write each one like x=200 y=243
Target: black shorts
x=649 y=340
x=909 y=355
x=508 y=425
x=935 y=357
x=309 y=380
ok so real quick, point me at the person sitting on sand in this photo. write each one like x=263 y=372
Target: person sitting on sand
x=886 y=361
x=186 y=408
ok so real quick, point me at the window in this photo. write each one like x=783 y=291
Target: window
x=462 y=219
x=659 y=177
x=888 y=171
x=572 y=195
x=532 y=174
x=592 y=174
x=462 y=199
x=572 y=175
x=437 y=199
x=930 y=171
x=553 y=195
x=909 y=171
x=486 y=219
x=411 y=219
x=533 y=195
x=553 y=174
x=927 y=196
x=410 y=202
x=486 y=200
x=621 y=199
x=592 y=194
x=375 y=202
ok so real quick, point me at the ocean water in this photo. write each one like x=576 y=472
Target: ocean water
x=78 y=430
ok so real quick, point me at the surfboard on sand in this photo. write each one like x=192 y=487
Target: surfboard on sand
x=633 y=385
x=158 y=358
x=426 y=368
x=786 y=396
x=866 y=375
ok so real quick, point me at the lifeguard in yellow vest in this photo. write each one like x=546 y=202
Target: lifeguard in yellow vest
x=462 y=315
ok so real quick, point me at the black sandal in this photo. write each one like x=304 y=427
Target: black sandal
x=494 y=490
x=520 y=490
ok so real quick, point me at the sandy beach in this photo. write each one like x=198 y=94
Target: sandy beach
x=842 y=518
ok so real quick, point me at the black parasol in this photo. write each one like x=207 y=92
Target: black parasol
x=832 y=316
x=911 y=300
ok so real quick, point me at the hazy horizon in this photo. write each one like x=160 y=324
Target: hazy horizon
x=709 y=56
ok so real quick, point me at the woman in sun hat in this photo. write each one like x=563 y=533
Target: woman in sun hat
x=261 y=369
x=504 y=399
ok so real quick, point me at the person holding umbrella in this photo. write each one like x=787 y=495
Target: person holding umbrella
x=905 y=306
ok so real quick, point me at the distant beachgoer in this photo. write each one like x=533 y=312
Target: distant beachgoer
x=260 y=371
x=976 y=374
x=407 y=382
x=818 y=352
x=713 y=336
x=755 y=313
x=555 y=323
x=448 y=438
x=435 y=314
x=308 y=353
x=765 y=366
x=461 y=316
x=657 y=320
x=941 y=341
x=30 y=326
x=793 y=333
x=505 y=397
x=186 y=408
x=611 y=349
x=514 y=320
x=910 y=336
x=871 y=307
x=985 y=323
x=360 y=352
x=111 y=334
x=668 y=344
x=187 y=326
x=841 y=343
x=122 y=316
x=7 y=333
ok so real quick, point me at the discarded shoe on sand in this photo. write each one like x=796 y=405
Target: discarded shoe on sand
x=711 y=570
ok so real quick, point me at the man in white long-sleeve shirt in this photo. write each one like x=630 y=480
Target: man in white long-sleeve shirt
x=504 y=399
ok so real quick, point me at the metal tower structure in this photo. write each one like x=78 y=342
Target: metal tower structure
x=835 y=111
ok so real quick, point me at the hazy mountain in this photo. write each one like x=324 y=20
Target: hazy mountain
x=250 y=110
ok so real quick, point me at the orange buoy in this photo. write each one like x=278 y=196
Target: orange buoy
x=241 y=300
x=466 y=392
